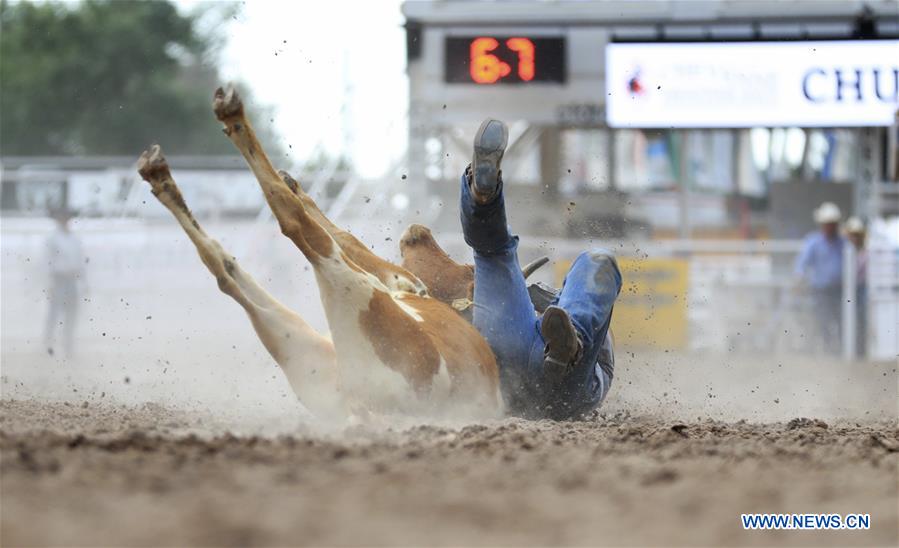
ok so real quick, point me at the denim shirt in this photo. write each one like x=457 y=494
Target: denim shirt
x=820 y=262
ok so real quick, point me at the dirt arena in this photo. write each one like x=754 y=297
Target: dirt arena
x=660 y=465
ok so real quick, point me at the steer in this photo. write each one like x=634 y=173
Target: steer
x=394 y=348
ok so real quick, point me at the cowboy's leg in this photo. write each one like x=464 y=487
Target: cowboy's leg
x=827 y=318
x=70 y=317
x=503 y=312
x=835 y=304
x=54 y=312
x=588 y=296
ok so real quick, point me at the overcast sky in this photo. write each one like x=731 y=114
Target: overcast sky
x=311 y=59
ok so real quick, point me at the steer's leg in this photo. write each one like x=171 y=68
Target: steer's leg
x=306 y=357
x=284 y=199
x=397 y=278
x=278 y=185
x=367 y=324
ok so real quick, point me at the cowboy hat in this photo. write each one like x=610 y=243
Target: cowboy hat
x=828 y=212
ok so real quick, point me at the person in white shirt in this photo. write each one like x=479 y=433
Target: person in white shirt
x=67 y=281
x=856 y=233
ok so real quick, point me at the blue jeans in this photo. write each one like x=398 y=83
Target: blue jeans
x=505 y=316
x=827 y=308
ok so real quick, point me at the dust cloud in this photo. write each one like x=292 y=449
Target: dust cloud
x=170 y=422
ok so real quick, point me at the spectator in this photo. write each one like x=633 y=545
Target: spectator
x=819 y=266
x=65 y=262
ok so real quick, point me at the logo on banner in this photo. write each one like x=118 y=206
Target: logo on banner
x=635 y=84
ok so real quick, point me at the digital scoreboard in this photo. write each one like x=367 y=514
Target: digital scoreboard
x=495 y=60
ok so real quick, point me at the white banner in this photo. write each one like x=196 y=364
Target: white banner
x=752 y=84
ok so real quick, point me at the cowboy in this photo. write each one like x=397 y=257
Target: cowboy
x=556 y=362
x=65 y=262
x=819 y=266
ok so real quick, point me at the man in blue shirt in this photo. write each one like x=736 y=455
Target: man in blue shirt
x=557 y=365
x=820 y=267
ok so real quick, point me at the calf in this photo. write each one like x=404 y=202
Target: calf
x=393 y=347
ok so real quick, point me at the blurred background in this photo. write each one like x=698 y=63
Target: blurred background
x=698 y=139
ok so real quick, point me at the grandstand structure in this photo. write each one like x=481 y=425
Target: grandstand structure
x=663 y=180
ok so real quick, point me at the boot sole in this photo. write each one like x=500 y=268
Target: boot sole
x=561 y=338
x=489 y=146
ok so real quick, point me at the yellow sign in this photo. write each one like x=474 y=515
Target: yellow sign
x=651 y=310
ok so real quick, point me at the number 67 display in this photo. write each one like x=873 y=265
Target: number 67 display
x=486 y=68
x=488 y=60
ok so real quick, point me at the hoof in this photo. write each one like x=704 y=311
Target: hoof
x=152 y=164
x=226 y=103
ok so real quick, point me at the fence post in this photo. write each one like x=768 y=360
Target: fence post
x=849 y=305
